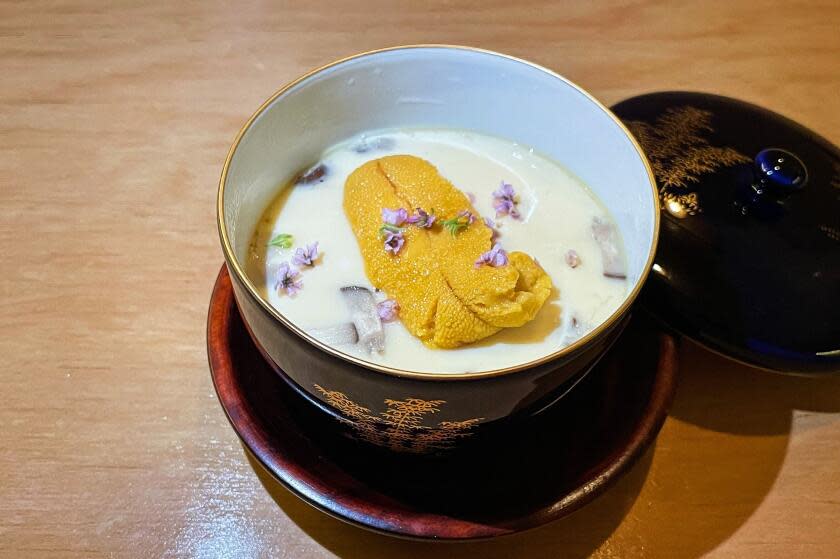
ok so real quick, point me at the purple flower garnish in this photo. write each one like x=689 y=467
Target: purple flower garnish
x=505 y=190
x=422 y=218
x=287 y=279
x=467 y=214
x=387 y=310
x=504 y=201
x=391 y=230
x=504 y=207
x=394 y=217
x=306 y=256
x=471 y=197
x=495 y=257
x=492 y=225
x=393 y=242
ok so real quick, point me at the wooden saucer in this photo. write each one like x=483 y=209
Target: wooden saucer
x=550 y=466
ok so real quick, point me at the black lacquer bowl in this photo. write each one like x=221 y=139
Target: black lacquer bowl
x=551 y=466
x=422 y=411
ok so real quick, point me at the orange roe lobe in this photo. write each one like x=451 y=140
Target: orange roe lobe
x=443 y=298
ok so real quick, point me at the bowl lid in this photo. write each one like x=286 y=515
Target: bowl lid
x=748 y=262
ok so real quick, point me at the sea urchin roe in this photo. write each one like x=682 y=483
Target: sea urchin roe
x=444 y=299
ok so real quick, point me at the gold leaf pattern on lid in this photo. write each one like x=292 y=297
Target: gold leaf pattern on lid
x=830 y=232
x=679 y=154
x=400 y=426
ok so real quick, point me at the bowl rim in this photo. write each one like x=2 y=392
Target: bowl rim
x=243 y=279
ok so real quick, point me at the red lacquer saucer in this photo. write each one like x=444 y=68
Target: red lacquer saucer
x=552 y=465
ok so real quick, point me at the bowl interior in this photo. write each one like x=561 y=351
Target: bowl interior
x=442 y=87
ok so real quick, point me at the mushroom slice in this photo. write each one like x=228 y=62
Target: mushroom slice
x=362 y=306
x=312 y=175
x=340 y=334
x=575 y=330
x=374 y=144
x=606 y=235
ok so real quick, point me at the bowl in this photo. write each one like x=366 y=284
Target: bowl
x=443 y=87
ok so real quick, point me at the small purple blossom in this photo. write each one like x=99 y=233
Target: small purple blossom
x=467 y=214
x=495 y=257
x=394 y=217
x=387 y=310
x=492 y=225
x=393 y=242
x=572 y=258
x=391 y=230
x=287 y=279
x=422 y=218
x=306 y=256
x=505 y=200
x=505 y=190
x=471 y=197
x=504 y=207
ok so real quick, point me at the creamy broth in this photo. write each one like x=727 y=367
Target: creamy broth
x=557 y=213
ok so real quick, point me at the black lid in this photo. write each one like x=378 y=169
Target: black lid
x=748 y=262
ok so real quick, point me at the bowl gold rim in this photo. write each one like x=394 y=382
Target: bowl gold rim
x=437 y=376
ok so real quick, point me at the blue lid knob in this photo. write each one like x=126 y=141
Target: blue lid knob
x=780 y=170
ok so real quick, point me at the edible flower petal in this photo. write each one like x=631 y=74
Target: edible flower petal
x=494 y=257
x=505 y=200
x=387 y=310
x=505 y=190
x=287 y=279
x=492 y=225
x=393 y=242
x=504 y=207
x=396 y=216
x=306 y=256
x=422 y=218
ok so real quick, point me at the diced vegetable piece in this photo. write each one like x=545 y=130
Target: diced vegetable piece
x=576 y=329
x=363 y=313
x=374 y=144
x=340 y=334
x=572 y=258
x=312 y=175
x=606 y=235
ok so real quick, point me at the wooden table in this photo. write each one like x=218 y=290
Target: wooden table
x=114 y=123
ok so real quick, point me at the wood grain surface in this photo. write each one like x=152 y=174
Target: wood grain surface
x=114 y=122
